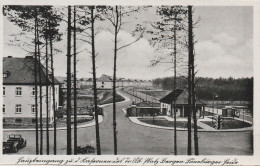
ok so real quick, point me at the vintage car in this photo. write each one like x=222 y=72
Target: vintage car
x=14 y=143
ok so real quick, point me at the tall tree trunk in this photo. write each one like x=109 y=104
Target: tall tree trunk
x=196 y=145
x=69 y=84
x=114 y=84
x=40 y=82
x=75 y=83
x=94 y=80
x=174 y=87
x=35 y=83
x=53 y=98
x=47 y=95
x=189 y=82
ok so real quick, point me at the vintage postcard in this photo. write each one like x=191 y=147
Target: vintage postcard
x=129 y=82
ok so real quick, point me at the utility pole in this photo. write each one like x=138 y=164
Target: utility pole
x=75 y=83
x=189 y=78
x=47 y=92
x=69 y=83
x=36 y=82
x=94 y=80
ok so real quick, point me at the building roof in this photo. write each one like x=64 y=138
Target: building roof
x=147 y=104
x=21 y=71
x=180 y=96
x=105 y=78
x=61 y=79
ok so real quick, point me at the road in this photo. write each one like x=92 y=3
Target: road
x=141 y=140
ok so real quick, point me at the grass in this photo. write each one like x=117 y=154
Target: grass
x=61 y=122
x=84 y=101
x=229 y=124
x=165 y=123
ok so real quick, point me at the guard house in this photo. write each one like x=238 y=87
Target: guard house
x=144 y=108
x=233 y=111
x=181 y=98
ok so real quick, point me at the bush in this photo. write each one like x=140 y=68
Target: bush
x=85 y=150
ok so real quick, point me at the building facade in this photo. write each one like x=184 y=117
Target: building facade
x=182 y=108
x=19 y=91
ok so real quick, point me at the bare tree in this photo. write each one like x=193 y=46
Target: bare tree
x=47 y=91
x=192 y=83
x=36 y=87
x=75 y=81
x=69 y=83
x=164 y=37
x=115 y=15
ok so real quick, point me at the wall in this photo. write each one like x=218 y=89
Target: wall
x=27 y=100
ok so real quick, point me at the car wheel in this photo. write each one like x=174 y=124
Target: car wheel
x=15 y=149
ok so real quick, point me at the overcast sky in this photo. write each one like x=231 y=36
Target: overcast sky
x=224 y=48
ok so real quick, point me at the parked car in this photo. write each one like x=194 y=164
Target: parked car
x=14 y=143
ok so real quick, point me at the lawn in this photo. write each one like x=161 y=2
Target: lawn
x=61 y=122
x=164 y=122
x=230 y=124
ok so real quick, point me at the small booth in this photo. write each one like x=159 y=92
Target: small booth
x=230 y=111
x=144 y=108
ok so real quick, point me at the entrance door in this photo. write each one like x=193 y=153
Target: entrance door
x=164 y=111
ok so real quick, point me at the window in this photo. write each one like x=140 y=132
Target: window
x=18 y=120
x=33 y=91
x=18 y=108
x=4 y=91
x=33 y=108
x=5 y=74
x=18 y=91
x=3 y=108
x=33 y=120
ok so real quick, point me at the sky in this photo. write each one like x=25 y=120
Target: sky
x=224 y=46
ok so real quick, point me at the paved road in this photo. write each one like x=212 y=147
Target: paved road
x=136 y=139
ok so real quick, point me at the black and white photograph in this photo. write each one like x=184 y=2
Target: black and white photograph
x=117 y=79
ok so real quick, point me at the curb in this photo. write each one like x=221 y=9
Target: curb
x=181 y=129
